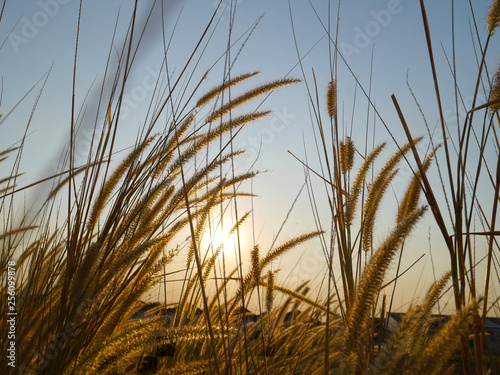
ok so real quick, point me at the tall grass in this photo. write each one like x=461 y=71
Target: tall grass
x=461 y=181
x=79 y=281
x=82 y=274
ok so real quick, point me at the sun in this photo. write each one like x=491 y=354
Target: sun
x=221 y=237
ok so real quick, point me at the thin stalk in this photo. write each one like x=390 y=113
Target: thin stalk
x=490 y=254
x=70 y=256
x=426 y=187
x=438 y=96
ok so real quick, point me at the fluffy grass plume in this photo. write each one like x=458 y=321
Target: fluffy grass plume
x=495 y=91
x=419 y=331
x=380 y=185
x=493 y=17
x=412 y=194
x=331 y=99
x=223 y=87
x=440 y=348
x=346 y=155
x=357 y=186
x=249 y=95
x=372 y=278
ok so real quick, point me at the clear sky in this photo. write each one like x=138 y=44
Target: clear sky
x=38 y=37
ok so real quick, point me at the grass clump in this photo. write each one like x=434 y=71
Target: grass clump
x=83 y=277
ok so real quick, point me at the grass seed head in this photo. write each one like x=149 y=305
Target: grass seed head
x=270 y=290
x=255 y=264
x=495 y=92
x=493 y=17
x=346 y=155
x=331 y=99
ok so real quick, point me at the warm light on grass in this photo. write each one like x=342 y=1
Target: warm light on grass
x=222 y=237
x=167 y=220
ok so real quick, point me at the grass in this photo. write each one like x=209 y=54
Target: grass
x=109 y=232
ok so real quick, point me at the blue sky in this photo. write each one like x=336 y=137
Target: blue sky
x=39 y=36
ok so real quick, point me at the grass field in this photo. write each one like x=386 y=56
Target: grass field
x=76 y=272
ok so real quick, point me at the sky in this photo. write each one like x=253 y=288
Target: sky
x=382 y=44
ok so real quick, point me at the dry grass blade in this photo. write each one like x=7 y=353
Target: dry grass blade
x=438 y=96
x=442 y=346
x=14 y=232
x=8 y=151
x=113 y=180
x=84 y=272
x=278 y=251
x=376 y=194
x=372 y=278
x=205 y=139
x=412 y=195
x=300 y=297
x=429 y=194
x=63 y=183
x=223 y=87
x=358 y=184
x=249 y=95
x=418 y=332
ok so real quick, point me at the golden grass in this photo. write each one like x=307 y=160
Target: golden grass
x=81 y=282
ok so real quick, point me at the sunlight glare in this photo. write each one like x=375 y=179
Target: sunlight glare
x=221 y=236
